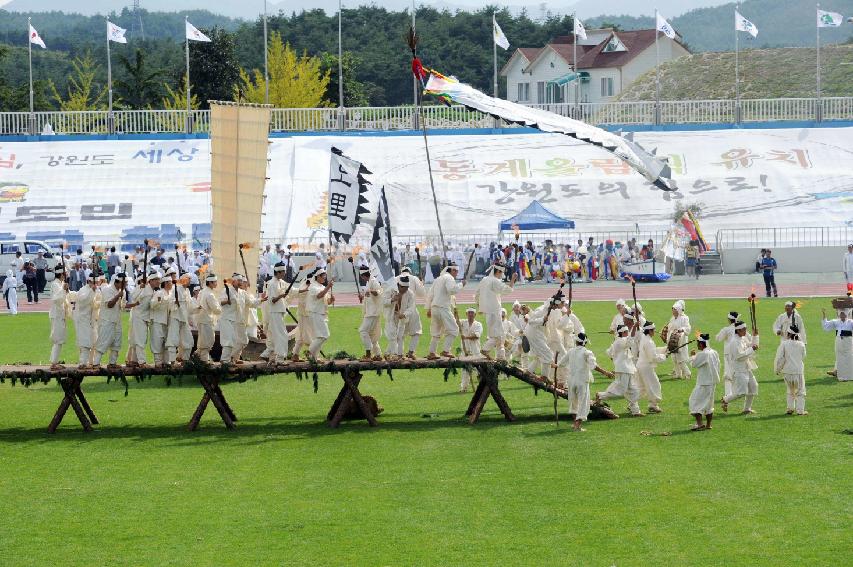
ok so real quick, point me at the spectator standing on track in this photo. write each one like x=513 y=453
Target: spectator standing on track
x=847 y=267
x=127 y=266
x=691 y=259
x=113 y=262
x=77 y=277
x=159 y=260
x=40 y=264
x=768 y=267
x=31 y=282
x=18 y=265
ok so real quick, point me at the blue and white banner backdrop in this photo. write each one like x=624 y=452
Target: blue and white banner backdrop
x=119 y=190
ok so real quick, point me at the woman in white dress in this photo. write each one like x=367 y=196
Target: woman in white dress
x=10 y=292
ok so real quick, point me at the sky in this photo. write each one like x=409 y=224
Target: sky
x=249 y=9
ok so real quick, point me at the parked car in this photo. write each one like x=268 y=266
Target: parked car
x=29 y=249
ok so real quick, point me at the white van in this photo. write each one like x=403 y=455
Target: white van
x=29 y=249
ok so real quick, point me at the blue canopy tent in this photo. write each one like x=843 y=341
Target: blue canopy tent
x=536 y=217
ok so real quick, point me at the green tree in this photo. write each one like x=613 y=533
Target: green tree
x=4 y=88
x=613 y=25
x=176 y=99
x=355 y=92
x=141 y=86
x=294 y=81
x=214 y=69
x=19 y=98
x=84 y=93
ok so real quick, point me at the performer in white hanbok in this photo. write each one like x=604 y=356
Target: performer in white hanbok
x=10 y=291
x=265 y=316
x=570 y=325
x=440 y=305
x=790 y=363
x=60 y=309
x=519 y=322
x=648 y=359
x=371 y=308
x=179 y=337
x=679 y=324
x=228 y=318
x=277 y=337
x=302 y=333
x=399 y=306
x=790 y=317
x=317 y=304
x=744 y=384
x=134 y=291
x=725 y=334
x=624 y=385
x=619 y=318
x=472 y=330
x=209 y=308
x=843 y=329
x=707 y=365
x=414 y=328
x=560 y=333
x=161 y=302
x=488 y=297
x=579 y=362
x=511 y=335
x=100 y=282
x=541 y=355
x=84 y=319
x=247 y=324
x=141 y=317
x=109 y=320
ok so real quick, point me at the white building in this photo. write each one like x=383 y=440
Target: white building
x=608 y=61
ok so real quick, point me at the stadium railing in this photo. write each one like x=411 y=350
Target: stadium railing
x=784 y=237
x=437 y=117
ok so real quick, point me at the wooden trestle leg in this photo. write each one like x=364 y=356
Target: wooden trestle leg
x=75 y=399
x=212 y=393
x=348 y=395
x=488 y=386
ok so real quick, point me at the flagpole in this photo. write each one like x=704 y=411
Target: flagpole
x=494 y=57
x=737 y=70
x=819 y=108
x=266 y=60
x=340 y=66
x=657 y=70
x=109 y=81
x=415 y=125
x=495 y=63
x=30 y=49
x=187 y=42
x=575 y=60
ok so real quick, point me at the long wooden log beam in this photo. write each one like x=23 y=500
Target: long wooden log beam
x=243 y=371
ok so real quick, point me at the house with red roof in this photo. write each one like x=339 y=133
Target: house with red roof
x=607 y=62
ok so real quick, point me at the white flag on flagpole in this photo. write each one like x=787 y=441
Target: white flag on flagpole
x=193 y=34
x=742 y=24
x=36 y=38
x=580 y=31
x=500 y=38
x=664 y=27
x=115 y=33
x=829 y=19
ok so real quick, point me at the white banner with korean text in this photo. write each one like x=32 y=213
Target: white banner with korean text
x=109 y=191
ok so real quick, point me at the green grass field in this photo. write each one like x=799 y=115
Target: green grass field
x=284 y=489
